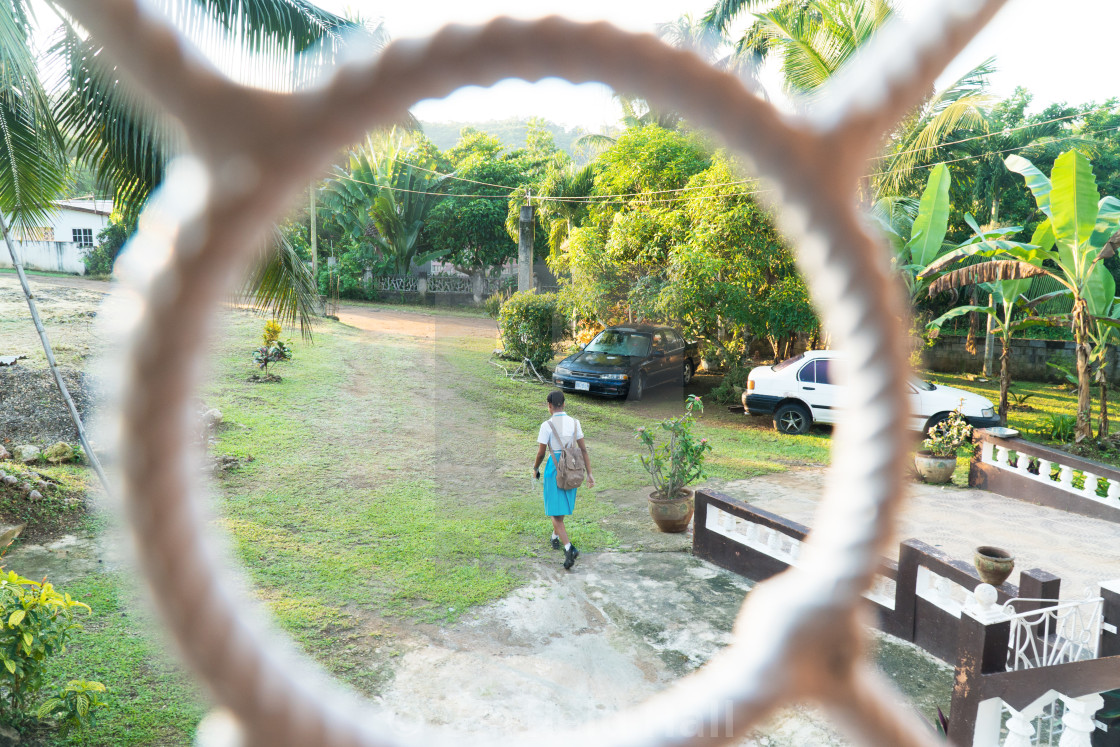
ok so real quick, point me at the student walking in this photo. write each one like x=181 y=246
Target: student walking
x=559 y=431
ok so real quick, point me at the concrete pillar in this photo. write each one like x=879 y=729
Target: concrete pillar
x=525 y=249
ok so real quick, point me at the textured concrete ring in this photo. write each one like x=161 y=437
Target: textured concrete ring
x=798 y=636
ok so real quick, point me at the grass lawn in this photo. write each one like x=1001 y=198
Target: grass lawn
x=1034 y=420
x=389 y=485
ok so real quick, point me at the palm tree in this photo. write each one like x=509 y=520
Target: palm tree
x=382 y=197
x=815 y=38
x=931 y=133
x=636 y=112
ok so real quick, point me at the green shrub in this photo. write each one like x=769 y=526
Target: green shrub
x=36 y=621
x=728 y=392
x=494 y=303
x=530 y=325
x=74 y=705
x=99 y=259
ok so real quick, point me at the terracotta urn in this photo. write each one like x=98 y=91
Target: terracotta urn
x=934 y=469
x=993 y=564
x=671 y=514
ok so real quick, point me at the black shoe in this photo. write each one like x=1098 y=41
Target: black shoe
x=570 y=556
x=555 y=543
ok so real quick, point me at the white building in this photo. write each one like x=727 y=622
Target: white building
x=59 y=247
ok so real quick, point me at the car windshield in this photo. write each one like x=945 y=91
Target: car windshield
x=787 y=362
x=923 y=386
x=618 y=342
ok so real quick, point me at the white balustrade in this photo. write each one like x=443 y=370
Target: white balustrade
x=1020 y=730
x=758 y=537
x=1090 y=485
x=1065 y=477
x=1078 y=720
x=1022 y=462
x=1044 y=466
x=1113 y=497
x=1001 y=456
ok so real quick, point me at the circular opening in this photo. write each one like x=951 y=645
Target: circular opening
x=994 y=553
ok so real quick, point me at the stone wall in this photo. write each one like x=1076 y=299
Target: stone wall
x=1028 y=358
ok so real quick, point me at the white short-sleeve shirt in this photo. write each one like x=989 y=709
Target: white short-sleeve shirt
x=566 y=426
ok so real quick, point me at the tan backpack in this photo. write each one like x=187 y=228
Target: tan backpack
x=570 y=469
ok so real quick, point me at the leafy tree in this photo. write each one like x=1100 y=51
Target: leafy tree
x=470 y=232
x=733 y=279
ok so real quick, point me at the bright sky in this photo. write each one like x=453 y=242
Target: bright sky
x=1060 y=53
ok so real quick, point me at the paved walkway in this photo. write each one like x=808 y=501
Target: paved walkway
x=1081 y=550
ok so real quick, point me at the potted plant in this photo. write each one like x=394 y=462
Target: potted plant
x=673 y=464
x=938 y=460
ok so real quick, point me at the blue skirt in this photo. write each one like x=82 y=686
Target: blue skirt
x=557 y=502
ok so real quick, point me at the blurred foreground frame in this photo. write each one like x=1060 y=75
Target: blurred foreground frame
x=249 y=152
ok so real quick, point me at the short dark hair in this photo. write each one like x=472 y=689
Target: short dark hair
x=556 y=398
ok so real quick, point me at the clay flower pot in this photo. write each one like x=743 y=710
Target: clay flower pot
x=671 y=514
x=993 y=564
x=934 y=469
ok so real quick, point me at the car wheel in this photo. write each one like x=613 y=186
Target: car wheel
x=937 y=421
x=686 y=376
x=638 y=387
x=792 y=419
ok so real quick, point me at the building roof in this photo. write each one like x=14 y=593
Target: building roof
x=97 y=207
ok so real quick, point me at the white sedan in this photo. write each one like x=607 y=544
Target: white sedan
x=800 y=391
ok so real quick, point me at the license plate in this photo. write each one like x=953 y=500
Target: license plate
x=583 y=386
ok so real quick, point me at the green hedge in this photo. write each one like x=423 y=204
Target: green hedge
x=530 y=325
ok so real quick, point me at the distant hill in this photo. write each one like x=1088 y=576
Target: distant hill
x=510 y=131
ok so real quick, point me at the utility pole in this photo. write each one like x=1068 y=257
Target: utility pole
x=525 y=246
x=314 y=238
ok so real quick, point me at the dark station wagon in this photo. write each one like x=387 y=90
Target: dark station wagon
x=625 y=361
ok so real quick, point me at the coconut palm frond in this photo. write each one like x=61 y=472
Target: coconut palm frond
x=594 y=142
x=985 y=272
x=117 y=132
x=33 y=169
x=954 y=113
x=297 y=24
x=695 y=36
x=282 y=285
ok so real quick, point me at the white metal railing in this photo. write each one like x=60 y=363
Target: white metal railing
x=1057 y=634
x=1053 y=473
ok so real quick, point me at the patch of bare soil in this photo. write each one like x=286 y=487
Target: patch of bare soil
x=32 y=410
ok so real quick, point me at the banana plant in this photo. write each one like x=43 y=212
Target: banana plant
x=1069 y=246
x=920 y=244
x=1011 y=312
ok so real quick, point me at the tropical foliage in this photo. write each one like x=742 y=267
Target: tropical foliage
x=1069 y=246
x=678 y=459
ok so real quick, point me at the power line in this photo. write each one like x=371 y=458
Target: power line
x=976 y=137
x=608 y=199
